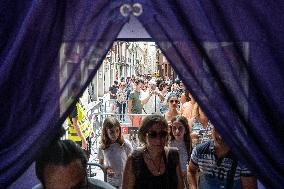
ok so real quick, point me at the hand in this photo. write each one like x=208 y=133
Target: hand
x=84 y=145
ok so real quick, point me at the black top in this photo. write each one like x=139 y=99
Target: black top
x=74 y=113
x=113 y=90
x=144 y=178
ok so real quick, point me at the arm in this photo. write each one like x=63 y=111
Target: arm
x=161 y=97
x=146 y=98
x=192 y=175
x=182 y=99
x=248 y=182
x=128 y=179
x=79 y=132
x=108 y=170
x=182 y=109
x=129 y=106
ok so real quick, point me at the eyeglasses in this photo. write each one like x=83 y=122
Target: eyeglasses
x=176 y=101
x=154 y=134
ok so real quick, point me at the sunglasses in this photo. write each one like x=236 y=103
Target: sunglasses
x=176 y=101
x=154 y=134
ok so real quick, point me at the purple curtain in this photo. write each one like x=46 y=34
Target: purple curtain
x=229 y=53
x=230 y=56
x=45 y=47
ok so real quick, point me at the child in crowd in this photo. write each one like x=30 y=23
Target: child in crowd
x=180 y=138
x=113 y=151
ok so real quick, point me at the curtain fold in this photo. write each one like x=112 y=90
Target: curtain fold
x=45 y=47
x=229 y=54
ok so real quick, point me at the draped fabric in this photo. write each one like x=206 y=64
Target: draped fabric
x=228 y=53
x=230 y=56
x=45 y=47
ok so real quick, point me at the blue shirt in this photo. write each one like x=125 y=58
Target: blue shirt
x=214 y=171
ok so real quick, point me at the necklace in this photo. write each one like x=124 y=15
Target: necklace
x=158 y=167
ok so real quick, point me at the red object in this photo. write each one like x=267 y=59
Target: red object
x=136 y=121
x=124 y=130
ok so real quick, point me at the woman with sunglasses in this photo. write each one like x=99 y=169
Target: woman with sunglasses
x=173 y=104
x=163 y=87
x=180 y=138
x=113 y=151
x=154 y=165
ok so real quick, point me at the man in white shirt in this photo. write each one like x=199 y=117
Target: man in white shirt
x=151 y=99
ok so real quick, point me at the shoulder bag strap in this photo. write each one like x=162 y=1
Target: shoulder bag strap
x=165 y=158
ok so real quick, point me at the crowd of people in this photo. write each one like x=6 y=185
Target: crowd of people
x=139 y=96
x=180 y=148
x=143 y=95
x=165 y=160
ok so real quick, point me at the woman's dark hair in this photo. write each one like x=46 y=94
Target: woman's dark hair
x=147 y=123
x=186 y=137
x=110 y=122
x=60 y=152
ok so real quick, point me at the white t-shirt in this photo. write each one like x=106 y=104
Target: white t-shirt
x=149 y=107
x=115 y=156
x=183 y=155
